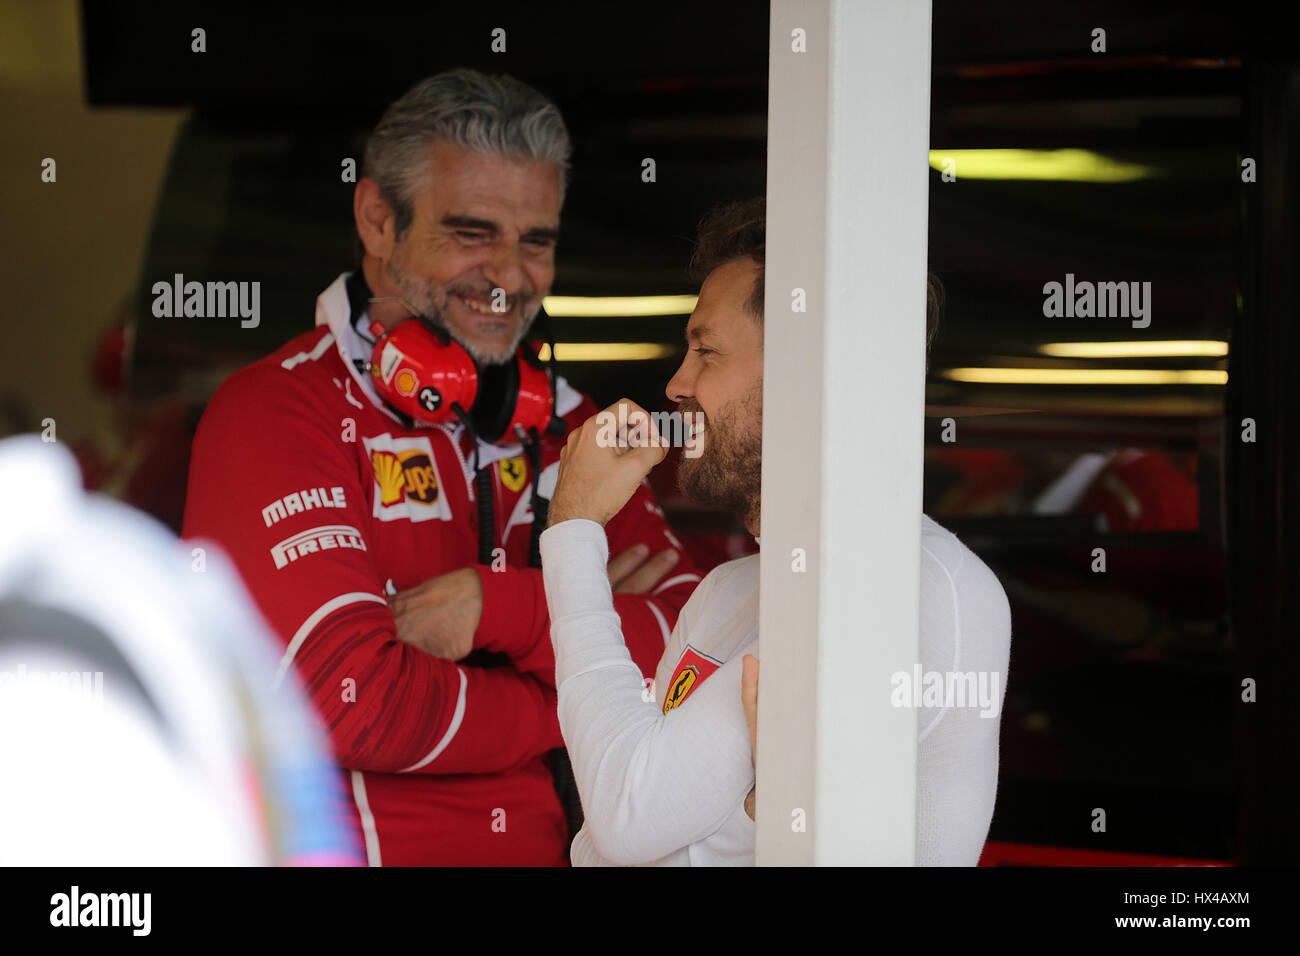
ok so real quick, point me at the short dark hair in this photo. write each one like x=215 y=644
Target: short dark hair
x=934 y=296
x=738 y=230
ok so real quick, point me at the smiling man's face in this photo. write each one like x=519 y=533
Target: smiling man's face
x=483 y=234
x=722 y=376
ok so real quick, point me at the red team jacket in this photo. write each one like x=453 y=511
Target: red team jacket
x=322 y=498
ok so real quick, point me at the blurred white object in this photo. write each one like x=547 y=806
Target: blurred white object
x=1068 y=487
x=137 y=725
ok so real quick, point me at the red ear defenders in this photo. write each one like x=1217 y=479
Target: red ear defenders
x=427 y=377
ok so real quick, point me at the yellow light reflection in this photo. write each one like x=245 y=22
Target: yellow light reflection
x=585 y=306
x=1087 y=376
x=1070 y=165
x=607 y=351
x=1173 y=347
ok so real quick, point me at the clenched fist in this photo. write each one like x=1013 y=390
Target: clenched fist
x=602 y=464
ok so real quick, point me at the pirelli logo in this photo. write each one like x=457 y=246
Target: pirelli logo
x=324 y=538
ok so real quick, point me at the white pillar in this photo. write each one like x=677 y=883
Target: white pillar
x=843 y=404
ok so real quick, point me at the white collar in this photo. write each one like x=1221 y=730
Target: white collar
x=332 y=310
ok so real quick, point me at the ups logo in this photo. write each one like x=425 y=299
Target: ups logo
x=407 y=484
x=421 y=482
x=405 y=475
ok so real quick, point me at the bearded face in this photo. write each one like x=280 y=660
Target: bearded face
x=728 y=472
x=463 y=308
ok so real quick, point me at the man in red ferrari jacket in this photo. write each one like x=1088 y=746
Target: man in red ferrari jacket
x=357 y=529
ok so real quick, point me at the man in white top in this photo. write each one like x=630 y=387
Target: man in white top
x=666 y=773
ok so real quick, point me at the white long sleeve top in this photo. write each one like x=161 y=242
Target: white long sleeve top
x=663 y=772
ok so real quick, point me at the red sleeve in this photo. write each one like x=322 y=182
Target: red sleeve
x=388 y=705
x=515 y=619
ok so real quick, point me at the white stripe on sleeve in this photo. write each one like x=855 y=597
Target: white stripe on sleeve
x=451 y=731
x=663 y=623
x=367 y=819
x=329 y=607
x=665 y=585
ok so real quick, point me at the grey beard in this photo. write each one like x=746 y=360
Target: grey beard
x=434 y=315
x=423 y=298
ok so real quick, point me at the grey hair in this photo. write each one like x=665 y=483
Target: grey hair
x=491 y=115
